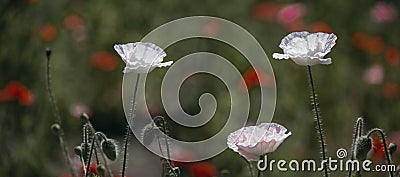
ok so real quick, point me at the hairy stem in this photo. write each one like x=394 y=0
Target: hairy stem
x=131 y=116
x=382 y=135
x=57 y=115
x=357 y=133
x=90 y=157
x=318 y=120
x=250 y=168
x=98 y=144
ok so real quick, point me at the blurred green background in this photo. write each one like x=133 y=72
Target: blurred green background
x=87 y=74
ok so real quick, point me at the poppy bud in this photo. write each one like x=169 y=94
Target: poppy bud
x=56 y=129
x=78 y=150
x=392 y=148
x=110 y=148
x=85 y=117
x=362 y=147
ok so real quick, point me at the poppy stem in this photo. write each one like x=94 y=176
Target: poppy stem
x=318 y=120
x=131 y=115
x=382 y=135
x=357 y=133
x=250 y=167
x=90 y=157
x=57 y=116
x=97 y=141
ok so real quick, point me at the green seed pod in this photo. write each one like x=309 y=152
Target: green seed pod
x=85 y=117
x=78 y=150
x=149 y=133
x=363 y=146
x=392 y=148
x=56 y=129
x=110 y=148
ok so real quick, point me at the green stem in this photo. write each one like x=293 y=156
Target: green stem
x=318 y=120
x=131 y=116
x=57 y=115
x=357 y=133
x=250 y=167
x=97 y=141
x=380 y=132
x=90 y=157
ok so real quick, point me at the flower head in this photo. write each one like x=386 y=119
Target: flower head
x=141 y=57
x=306 y=48
x=253 y=141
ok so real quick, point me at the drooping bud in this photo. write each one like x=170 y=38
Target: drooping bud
x=149 y=133
x=362 y=147
x=110 y=148
x=392 y=148
x=78 y=150
x=56 y=129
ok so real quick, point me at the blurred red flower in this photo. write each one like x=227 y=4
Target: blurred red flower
x=378 y=150
x=371 y=44
x=48 y=32
x=15 y=90
x=76 y=24
x=383 y=12
x=73 y=22
x=390 y=90
x=104 y=61
x=203 y=169
x=392 y=56
x=251 y=80
x=266 y=11
x=320 y=27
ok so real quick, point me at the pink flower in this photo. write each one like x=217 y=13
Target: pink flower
x=383 y=12
x=374 y=74
x=253 y=141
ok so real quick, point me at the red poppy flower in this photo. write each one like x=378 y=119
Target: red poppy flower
x=266 y=11
x=392 y=56
x=251 y=80
x=14 y=90
x=371 y=44
x=378 y=151
x=390 y=90
x=73 y=22
x=48 y=32
x=203 y=169
x=104 y=61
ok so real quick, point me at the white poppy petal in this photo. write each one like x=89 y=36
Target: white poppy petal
x=306 y=48
x=141 y=57
x=280 y=56
x=253 y=141
x=325 y=61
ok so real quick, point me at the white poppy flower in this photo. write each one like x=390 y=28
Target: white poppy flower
x=253 y=141
x=306 y=48
x=141 y=57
